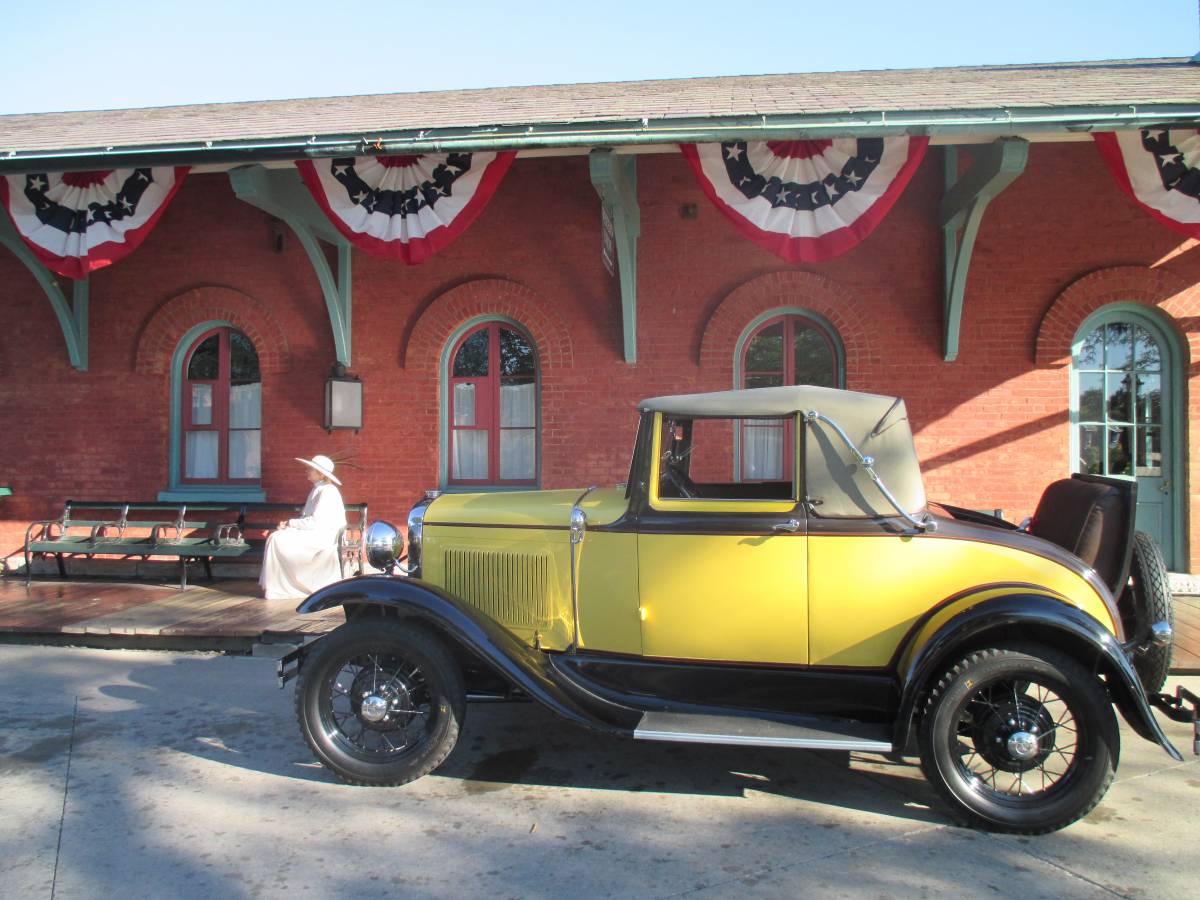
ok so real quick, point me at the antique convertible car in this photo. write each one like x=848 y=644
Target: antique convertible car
x=771 y=575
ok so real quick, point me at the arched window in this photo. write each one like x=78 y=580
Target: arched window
x=493 y=407
x=784 y=348
x=221 y=407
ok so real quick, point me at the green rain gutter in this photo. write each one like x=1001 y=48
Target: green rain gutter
x=997 y=123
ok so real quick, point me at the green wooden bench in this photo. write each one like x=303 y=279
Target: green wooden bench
x=203 y=531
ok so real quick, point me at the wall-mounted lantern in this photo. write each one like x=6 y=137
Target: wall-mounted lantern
x=343 y=400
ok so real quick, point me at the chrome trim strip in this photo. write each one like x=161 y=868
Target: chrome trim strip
x=577 y=531
x=745 y=741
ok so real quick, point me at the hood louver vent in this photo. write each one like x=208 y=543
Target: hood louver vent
x=512 y=588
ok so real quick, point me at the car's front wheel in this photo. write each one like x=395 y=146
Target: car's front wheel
x=380 y=702
x=1019 y=738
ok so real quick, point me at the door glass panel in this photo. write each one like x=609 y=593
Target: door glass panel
x=1149 y=451
x=516 y=355
x=202 y=404
x=1120 y=450
x=1091 y=352
x=762 y=452
x=517 y=454
x=1091 y=449
x=470 y=452
x=201 y=454
x=245 y=452
x=245 y=407
x=243 y=360
x=1147 y=354
x=517 y=403
x=204 y=365
x=1118 y=345
x=1091 y=397
x=1149 y=399
x=765 y=353
x=471 y=360
x=464 y=404
x=813 y=358
x=1119 y=409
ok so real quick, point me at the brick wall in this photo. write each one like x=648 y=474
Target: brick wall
x=991 y=428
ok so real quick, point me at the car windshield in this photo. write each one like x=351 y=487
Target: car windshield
x=727 y=458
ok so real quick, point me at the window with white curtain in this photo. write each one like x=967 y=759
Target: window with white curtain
x=493 y=415
x=222 y=410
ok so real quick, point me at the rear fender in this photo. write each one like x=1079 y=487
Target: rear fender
x=458 y=622
x=1027 y=617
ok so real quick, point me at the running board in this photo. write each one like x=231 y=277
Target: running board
x=801 y=733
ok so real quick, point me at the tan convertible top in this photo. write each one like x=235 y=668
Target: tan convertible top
x=835 y=481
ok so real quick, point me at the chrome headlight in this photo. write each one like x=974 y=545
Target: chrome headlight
x=416 y=523
x=385 y=545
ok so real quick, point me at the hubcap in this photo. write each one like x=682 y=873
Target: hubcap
x=374 y=709
x=1023 y=745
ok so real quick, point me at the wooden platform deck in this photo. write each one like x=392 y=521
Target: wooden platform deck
x=203 y=615
x=228 y=611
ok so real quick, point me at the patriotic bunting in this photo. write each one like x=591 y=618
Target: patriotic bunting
x=405 y=207
x=78 y=222
x=806 y=201
x=1160 y=169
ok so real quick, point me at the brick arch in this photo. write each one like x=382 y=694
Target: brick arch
x=172 y=319
x=487 y=297
x=789 y=288
x=1157 y=289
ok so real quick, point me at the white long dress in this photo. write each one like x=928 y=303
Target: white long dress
x=303 y=557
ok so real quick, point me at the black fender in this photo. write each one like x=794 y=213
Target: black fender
x=1030 y=617
x=457 y=621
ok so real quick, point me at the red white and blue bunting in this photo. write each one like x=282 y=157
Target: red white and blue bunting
x=806 y=201
x=78 y=222
x=1160 y=169
x=405 y=207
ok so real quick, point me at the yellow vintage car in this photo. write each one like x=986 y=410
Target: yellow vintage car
x=770 y=575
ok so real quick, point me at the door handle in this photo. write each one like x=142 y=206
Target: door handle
x=1165 y=487
x=791 y=526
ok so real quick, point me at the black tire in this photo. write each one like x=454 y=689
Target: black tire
x=1152 y=602
x=995 y=705
x=397 y=672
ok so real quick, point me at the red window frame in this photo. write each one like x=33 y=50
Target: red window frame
x=790 y=321
x=487 y=408
x=220 y=410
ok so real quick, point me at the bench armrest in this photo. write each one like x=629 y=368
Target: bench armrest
x=40 y=531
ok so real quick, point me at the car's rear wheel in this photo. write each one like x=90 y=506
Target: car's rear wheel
x=380 y=702
x=1152 y=602
x=1019 y=739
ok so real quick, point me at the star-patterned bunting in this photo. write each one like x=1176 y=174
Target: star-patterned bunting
x=806 y=201
x=405 y=207
x=1160 y=169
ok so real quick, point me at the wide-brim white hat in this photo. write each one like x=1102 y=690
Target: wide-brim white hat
x=322 y=464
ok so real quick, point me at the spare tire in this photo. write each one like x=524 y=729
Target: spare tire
x=1152 y=602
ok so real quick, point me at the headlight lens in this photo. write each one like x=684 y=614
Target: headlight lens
x=385 y=545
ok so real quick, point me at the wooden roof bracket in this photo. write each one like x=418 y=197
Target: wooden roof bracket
x=961 y=211
x=72 y=314
x=280 y=193
x=615 y=180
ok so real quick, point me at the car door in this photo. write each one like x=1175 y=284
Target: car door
x=722 y=562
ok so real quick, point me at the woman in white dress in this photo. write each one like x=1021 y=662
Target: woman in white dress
x=302 y=556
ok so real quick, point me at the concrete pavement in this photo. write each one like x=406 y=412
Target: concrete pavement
x=152 y=774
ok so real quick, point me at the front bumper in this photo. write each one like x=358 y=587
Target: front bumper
x=1183 y=707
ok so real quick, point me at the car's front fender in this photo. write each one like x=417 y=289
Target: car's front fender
x=1029 y=618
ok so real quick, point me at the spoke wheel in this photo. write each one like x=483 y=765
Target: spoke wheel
x=1020 y=739
x=380 y=702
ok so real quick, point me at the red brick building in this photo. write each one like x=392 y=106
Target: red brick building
x=1059 y=253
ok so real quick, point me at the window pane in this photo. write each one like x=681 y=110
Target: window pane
x=1118 y=345
x=1120 y=450
x=243 y=360
x=1091 y=352
x=1091 y=397
x=517 y=404
x=762 y=453
x=201 y=454
x=245 y=407
x=813 y=358
x=202 y=404
x=757 y=381
x=765 y=352
x=516 y=354
x=1149 y=399
x=203 y=365
x=471 y=360
x=245 y=453
x=1149 y=451
x=517 y=454
x=470 y=455
x=1091 y=450
x=1119 y=407
x=1147 y=354
x=464 y=404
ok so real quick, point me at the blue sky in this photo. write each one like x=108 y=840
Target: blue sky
x=130 y=53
